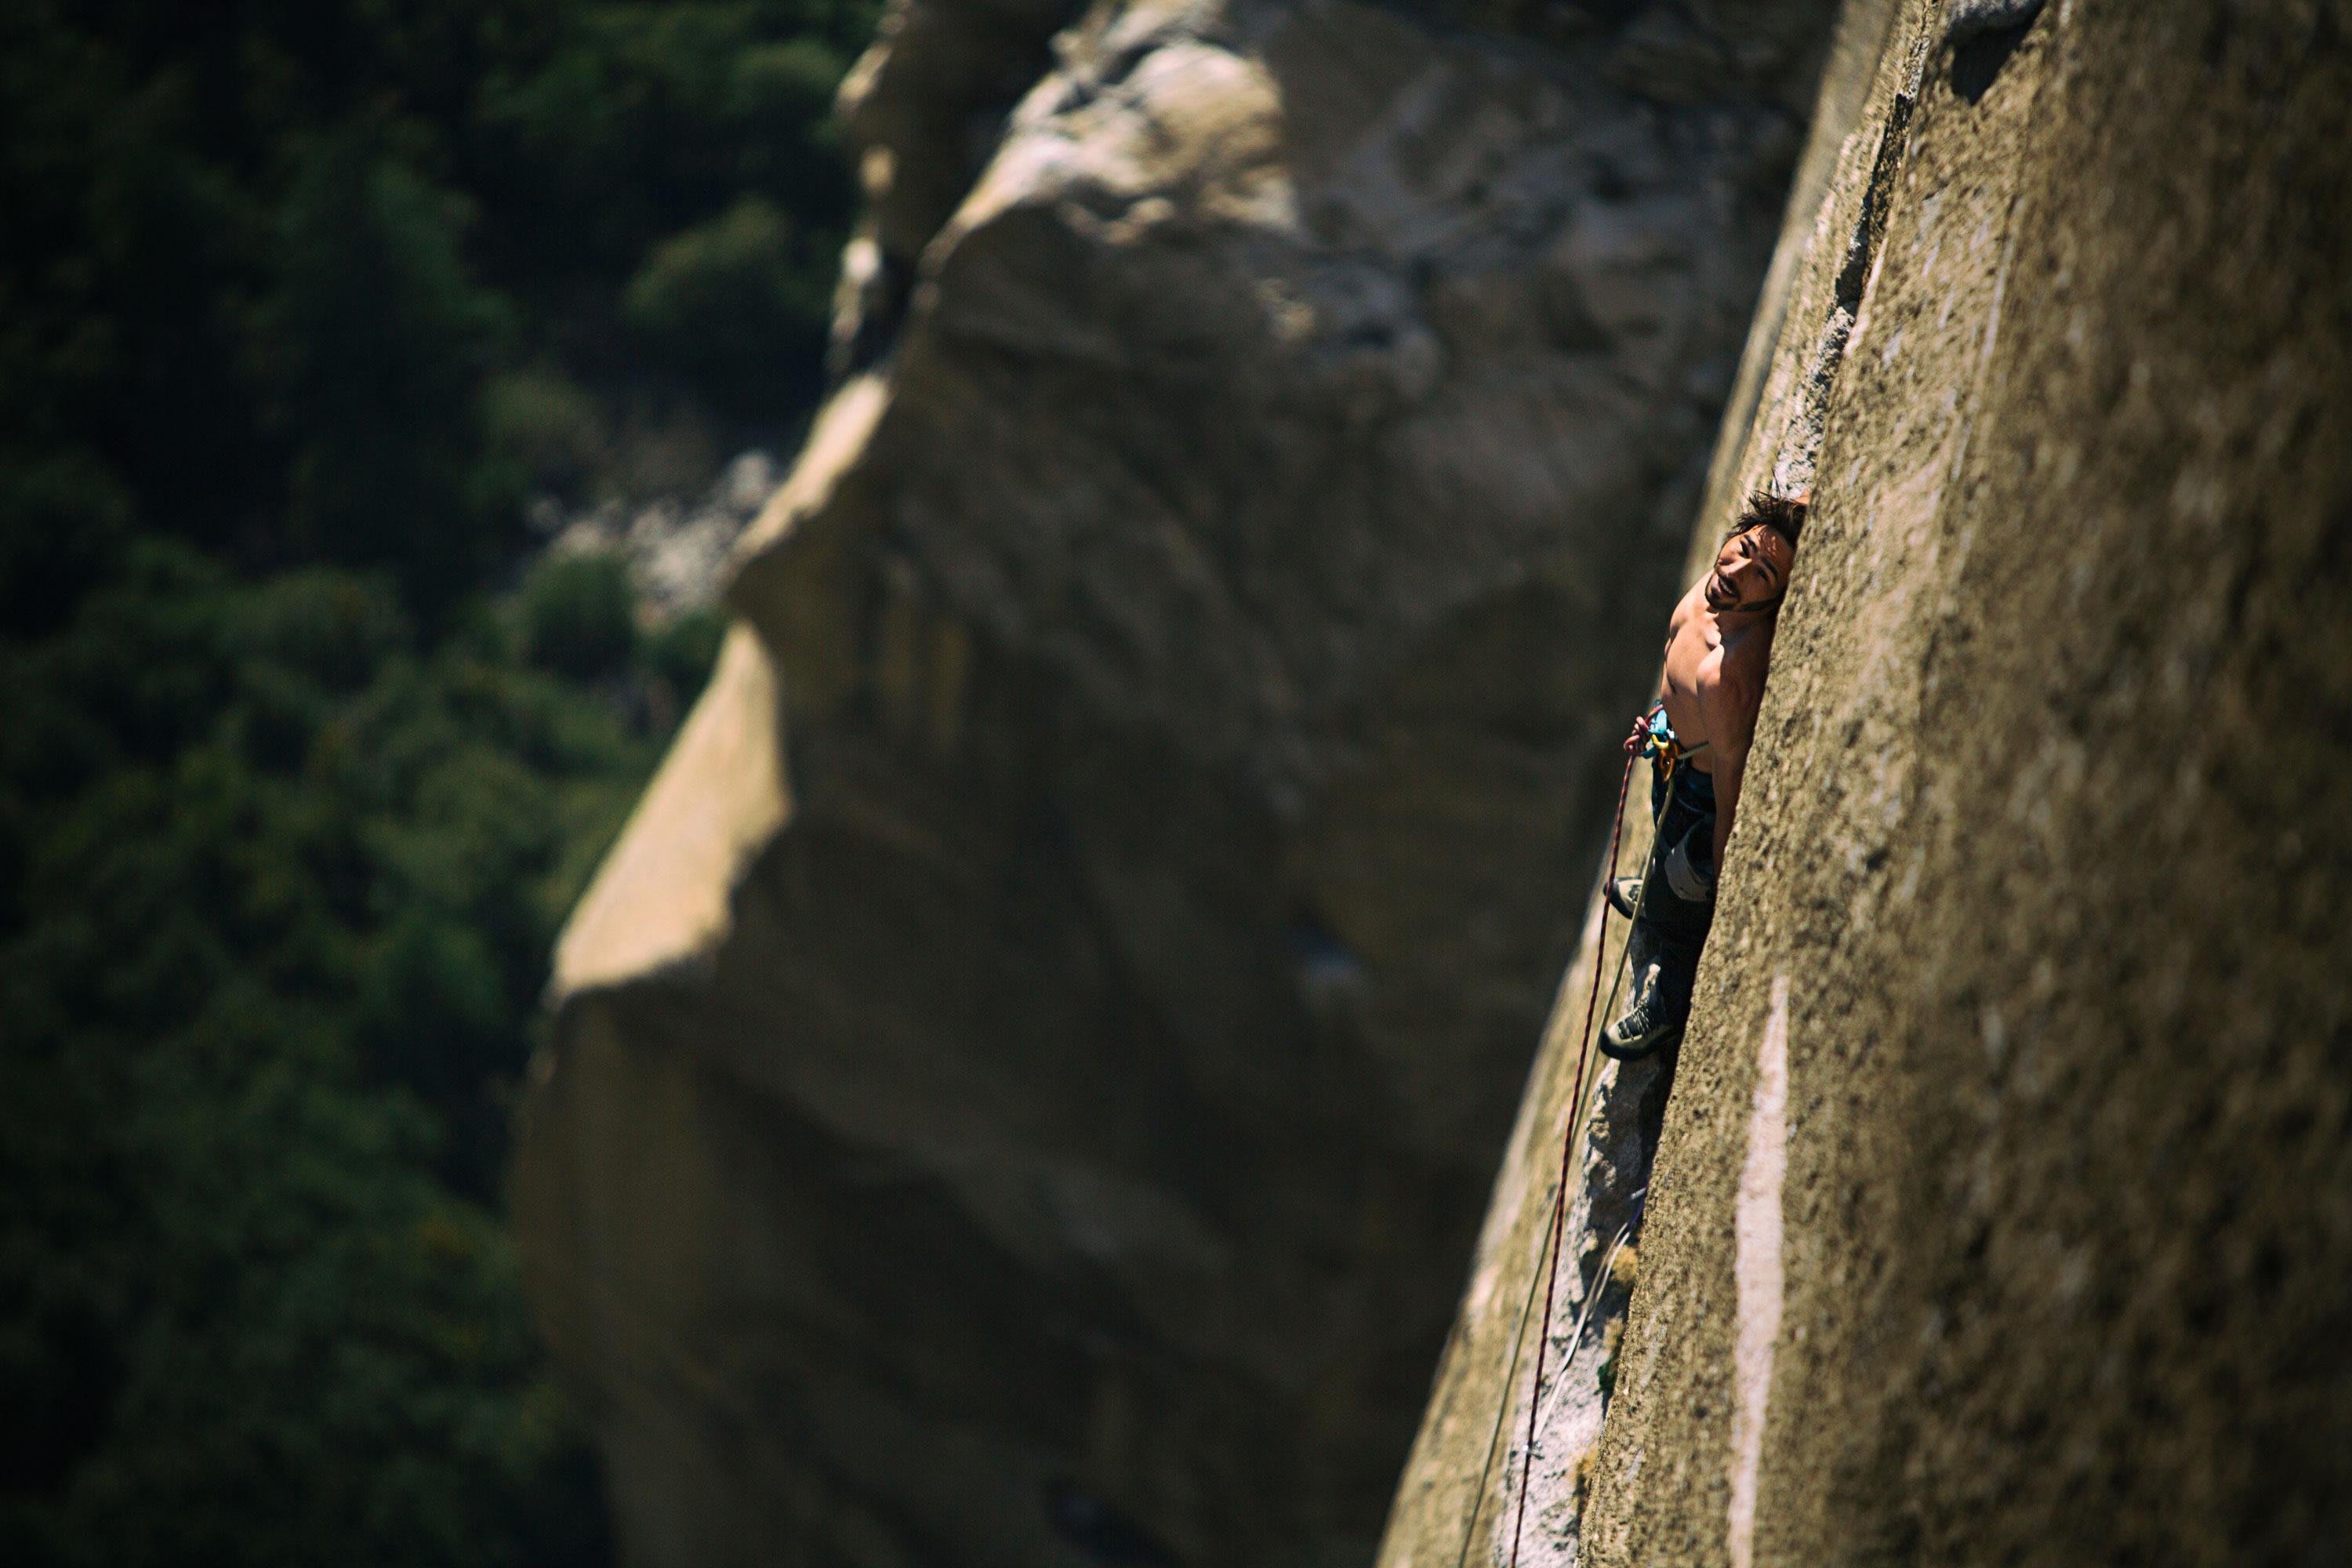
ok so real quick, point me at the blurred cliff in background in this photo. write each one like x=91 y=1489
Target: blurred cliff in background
x=1024 y=1084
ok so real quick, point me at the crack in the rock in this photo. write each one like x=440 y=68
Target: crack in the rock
x=1983 y=35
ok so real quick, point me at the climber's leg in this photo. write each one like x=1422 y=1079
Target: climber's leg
x=1676 y=899
x=1660 y=1005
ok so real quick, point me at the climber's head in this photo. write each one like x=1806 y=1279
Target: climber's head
x=1751 y=570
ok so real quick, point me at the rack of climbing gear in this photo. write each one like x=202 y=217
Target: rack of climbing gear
x=1653 y=738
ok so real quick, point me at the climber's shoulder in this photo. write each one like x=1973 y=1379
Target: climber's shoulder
x=1688 y=612
x=1731 y=678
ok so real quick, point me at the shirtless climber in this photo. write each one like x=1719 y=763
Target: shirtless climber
x=1718 y=647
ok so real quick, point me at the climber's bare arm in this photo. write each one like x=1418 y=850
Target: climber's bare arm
x=1730 y=689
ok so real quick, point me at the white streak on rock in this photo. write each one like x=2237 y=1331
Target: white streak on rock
x=1757 y=1270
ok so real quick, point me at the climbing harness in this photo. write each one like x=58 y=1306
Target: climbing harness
x=1652 y=737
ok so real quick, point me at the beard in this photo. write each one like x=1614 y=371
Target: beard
x=1720 y=594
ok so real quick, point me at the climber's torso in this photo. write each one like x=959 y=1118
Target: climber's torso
x=1712 y=674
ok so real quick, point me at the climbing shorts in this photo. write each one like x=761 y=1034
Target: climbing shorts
x=1685 y=810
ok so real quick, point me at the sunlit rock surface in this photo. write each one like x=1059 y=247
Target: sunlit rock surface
x=1025 y=1083
x=2004 y=1197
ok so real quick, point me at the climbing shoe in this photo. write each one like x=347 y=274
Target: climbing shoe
x=1643 y=1030
x=1624 y=895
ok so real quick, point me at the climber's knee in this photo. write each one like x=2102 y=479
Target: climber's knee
x=1690 y=864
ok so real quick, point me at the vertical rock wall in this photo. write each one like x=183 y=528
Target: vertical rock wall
x=1468 y=1490
x=2004 y=1197
x=1025 y=1082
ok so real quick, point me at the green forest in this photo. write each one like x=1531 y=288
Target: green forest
x=304 y=758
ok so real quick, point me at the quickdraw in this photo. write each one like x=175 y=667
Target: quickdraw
x=1654 y=737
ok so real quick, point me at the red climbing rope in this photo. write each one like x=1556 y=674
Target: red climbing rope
x=1633 y=745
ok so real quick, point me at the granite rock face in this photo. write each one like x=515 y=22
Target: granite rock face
x=1025 y=1085
x=2004 y=1195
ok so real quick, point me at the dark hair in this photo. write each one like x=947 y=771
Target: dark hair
x=1784 y=515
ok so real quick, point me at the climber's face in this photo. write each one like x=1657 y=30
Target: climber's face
x=1751 y=571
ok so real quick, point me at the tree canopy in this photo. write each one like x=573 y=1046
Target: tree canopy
x=304 y=760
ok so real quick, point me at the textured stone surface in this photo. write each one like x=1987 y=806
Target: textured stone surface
x=1459 y=1499
x=1025 y=1083
x=2004 y=1197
